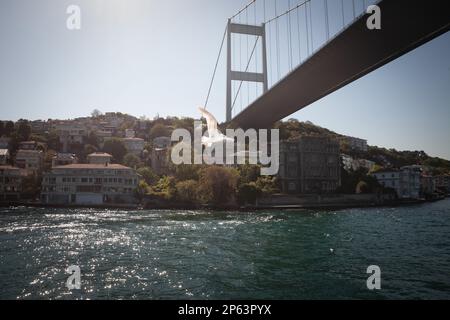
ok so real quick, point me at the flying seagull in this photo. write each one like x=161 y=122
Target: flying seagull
x=214 y=134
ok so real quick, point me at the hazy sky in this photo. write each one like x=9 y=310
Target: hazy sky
x=147 y=57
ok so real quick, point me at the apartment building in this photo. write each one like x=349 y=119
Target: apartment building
x=134 y=145
x=30 y=160
x=310 y=165
x=71 y=133
x=355 y=144
x=90 y=184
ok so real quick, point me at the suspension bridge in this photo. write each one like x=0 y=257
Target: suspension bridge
x=282 y=55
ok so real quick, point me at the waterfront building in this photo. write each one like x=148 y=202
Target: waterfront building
x=30 y=160
x=405 y=181
x=90 y=184
x=62 y=159
x=355 y=144
x=310 y=165
x=99 y=158
x=10 y=183
x=4 y=156
x=134 y=145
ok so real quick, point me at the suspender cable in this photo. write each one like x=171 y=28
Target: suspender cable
x=248 y=83
x=354 y=10
x=343 y=14
x=307 y=29
x=277 y=43
x=215 y=68
x=246 y=69
x=299 y=38
x=256 y=58
x=244 y=8
x=240 y=61
x=327 y=25
x=288 y=22
x=312 y=33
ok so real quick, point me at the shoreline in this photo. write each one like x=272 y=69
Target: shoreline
x=334 y=206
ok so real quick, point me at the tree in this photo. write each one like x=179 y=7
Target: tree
x=53 y=141
x=2 y=128
x=362 y=187
x=267 y=184
x=248 y=173
x=116 y=148
x=185 y=172
x=142 y=189
x=187 y=191
x=159 y=130
x=217 y=184
x=93 y=139
x=87 y=150
x=131 y=160
x=9 y=128
x=148 y=175
x=24 y=130
x=248 y=193
x=164 y=188
x=96 y=113
x=31 y=185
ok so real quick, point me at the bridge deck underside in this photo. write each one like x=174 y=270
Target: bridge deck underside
x=352 y=54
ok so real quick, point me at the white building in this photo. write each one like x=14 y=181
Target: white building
x=99 y=158
x=406 y=181
x=356 y=144
x=4 y=156
x=134 y=145
x=30 y=160
x=70 y=133
x=90 y=184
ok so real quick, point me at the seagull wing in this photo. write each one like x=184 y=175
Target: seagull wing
x=211 y=122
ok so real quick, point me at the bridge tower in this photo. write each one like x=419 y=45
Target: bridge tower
x=244 y=29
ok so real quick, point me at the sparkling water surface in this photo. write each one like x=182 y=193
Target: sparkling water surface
x=300 y=254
